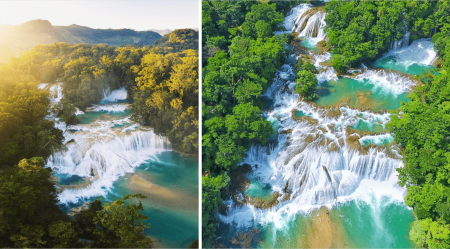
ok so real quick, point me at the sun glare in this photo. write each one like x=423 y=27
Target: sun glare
x=9 y=13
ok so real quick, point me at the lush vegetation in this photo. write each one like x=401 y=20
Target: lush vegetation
x=24 y=133
x=180 y=39
x=306 y=79
x=162 y=81
x=240 y=57
x=423 y=130
x=166 y=96
x=20 y=38
x=30 y=216
x=361 y=30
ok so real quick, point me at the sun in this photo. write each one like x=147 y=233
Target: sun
x=10 y=12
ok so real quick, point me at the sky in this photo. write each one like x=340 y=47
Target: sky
x=104 y=14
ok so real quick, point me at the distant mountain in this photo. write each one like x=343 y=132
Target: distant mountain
x=15 y=39
x=161 y=31
x=180 y=39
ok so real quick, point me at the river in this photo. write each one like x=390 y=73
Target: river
x=328 y=178
x=110 y=156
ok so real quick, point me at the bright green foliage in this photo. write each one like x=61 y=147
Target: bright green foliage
x=240 y=57
x=306 y=85
x=361 y=30
x=339 y=63
x=211 y=200
x=121 y=225
x=431 y=234
x=423 y=130
x=305 y=65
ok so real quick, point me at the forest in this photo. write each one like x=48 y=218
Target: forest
x=162 y=85
x=360 y=31
x=17 y=39
x=240 y=56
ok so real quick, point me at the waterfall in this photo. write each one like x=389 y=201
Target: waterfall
x=420 y=52
x=102 y=150
x=312 y=25
x=114 y=96
x=388 y=81
x=307 y=21
x=404 y=42
x=359 y=164
x=55 y=91
x=326 y=73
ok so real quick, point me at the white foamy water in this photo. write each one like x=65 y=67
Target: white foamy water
x=109 y=108
x=99 y=150
x=114 y=96
x=55 y=91
x=420 y=52
x=101 y=153
x=357 y=171
x=326 y=73
x=294 y=16
x=389 y=82
x=376 y=139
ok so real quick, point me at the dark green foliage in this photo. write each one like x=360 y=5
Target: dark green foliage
x=423 y=131
x=66 y=111
x=31 y=217
x=194 y=244
x=84 y=220
x=241 y=55
x=121 y=226
x=24 y=133
x=29 y=214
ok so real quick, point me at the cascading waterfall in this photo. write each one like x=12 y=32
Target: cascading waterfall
x=404 y=42
x=326 y=73
x=55 y=91
x=388 y=81
x=311 y=24
x=320 y=157
x=114 y=96
x=102 y=150
x=410 y=59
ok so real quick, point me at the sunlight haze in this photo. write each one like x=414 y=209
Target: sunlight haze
x=137 y=15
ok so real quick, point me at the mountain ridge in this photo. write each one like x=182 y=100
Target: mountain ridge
x=16 y=39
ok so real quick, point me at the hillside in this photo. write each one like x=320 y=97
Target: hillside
x=180 y=39
x=16 y=39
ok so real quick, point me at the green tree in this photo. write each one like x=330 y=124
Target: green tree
x=121 y=226
x=306 y=85
x=29 y=214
